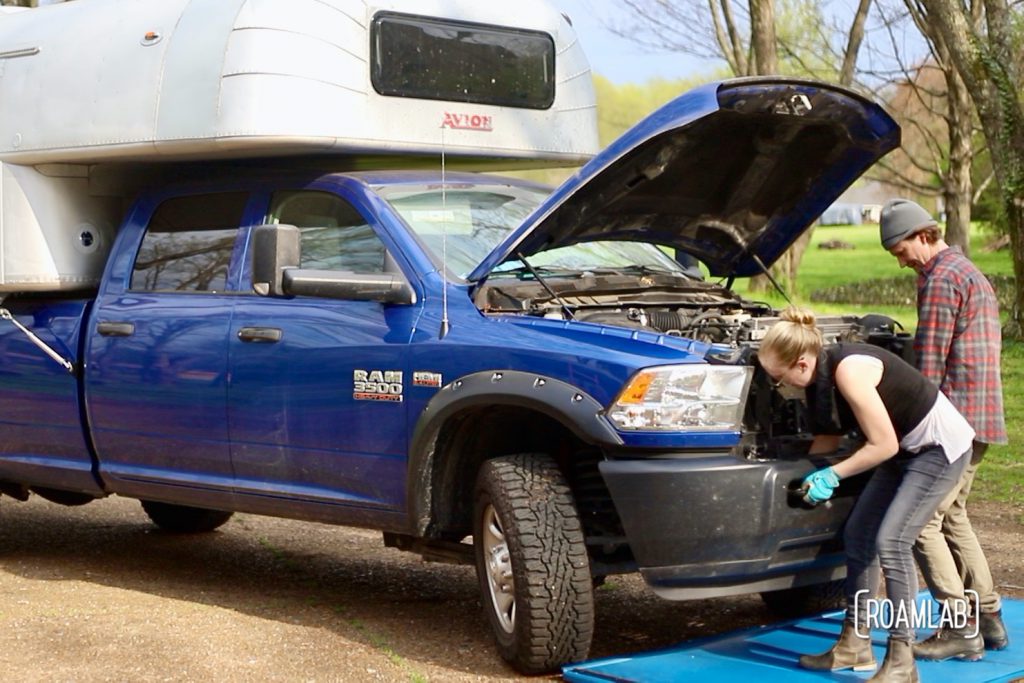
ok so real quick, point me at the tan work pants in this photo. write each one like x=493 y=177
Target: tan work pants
x=948 y=552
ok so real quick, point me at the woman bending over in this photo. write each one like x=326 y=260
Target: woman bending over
x=915 y=441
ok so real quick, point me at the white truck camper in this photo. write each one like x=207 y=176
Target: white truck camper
x=96 y=95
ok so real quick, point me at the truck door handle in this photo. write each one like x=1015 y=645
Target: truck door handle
x=260 y=335
x=109 y=328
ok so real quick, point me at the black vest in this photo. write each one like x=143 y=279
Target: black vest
x=905 y=392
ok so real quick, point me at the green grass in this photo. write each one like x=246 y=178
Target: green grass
x=823 y=268
x=1001 y=478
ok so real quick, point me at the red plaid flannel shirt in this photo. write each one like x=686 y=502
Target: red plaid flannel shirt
x=958 y=340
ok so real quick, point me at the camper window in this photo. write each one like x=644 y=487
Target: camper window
x=188 y=244
x=435 y=59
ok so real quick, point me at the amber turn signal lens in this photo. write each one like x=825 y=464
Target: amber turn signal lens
x=635 y=392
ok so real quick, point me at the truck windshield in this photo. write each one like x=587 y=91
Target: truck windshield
x=474 y=219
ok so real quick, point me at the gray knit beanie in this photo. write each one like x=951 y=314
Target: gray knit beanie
x=900 y=219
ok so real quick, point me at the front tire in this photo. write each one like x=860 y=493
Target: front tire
x=532 y=563
x=182 y=519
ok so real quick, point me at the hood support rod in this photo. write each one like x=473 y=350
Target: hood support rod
x=544 y=284
x=771 y=279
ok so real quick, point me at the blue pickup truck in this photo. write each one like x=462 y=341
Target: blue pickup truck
x=484 y=370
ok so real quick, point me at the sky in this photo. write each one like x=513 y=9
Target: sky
x=623 y=61
x=618 y=59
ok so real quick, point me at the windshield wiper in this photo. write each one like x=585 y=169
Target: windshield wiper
x=647 y=270
x=525 y=270
x=634 y=269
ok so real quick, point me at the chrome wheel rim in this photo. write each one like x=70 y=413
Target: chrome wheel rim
x=498 y=568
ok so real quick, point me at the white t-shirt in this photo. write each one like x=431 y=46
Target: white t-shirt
x=942 y=426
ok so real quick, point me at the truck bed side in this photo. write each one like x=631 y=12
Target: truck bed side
x=43 y=440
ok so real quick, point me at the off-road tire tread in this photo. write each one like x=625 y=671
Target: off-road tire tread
x=554 y=590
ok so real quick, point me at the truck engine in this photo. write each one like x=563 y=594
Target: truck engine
x=775 y=422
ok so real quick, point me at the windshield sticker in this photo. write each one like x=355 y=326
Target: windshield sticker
x=377 y=385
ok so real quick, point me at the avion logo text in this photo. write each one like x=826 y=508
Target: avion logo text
x=467 y=121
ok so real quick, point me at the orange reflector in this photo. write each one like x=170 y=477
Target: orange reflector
x=637 y=388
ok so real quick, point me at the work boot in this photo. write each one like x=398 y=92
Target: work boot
x=899 y=666
x=849 y=652
x=993 y=631
x=947 y=643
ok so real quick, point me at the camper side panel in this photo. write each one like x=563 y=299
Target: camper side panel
x=155 y=80
x=53 y=234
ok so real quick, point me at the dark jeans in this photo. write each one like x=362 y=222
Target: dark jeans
x=900 y=498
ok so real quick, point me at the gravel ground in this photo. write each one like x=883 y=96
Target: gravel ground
x=98 y=594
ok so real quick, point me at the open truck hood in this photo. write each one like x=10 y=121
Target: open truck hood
x=730 y=172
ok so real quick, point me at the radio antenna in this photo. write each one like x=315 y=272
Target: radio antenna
x=445 y=325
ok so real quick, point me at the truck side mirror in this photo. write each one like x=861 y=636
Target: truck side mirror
x=274 y=248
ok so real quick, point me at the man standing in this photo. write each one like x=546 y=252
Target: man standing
x=957 y=346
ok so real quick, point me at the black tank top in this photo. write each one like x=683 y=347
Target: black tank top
x=905 y=392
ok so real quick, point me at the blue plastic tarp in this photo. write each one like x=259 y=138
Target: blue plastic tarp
x=770 y=653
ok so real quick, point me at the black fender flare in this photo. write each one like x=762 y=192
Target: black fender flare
x=575 y=409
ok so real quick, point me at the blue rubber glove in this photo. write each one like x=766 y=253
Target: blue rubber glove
x=820 y=485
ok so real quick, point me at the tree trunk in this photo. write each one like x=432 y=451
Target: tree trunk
x=766 y=61
x=760 y=284
x=986 y=62
x=957 y=187
x=1015 y=327
x=785 y=269
x=796 y=256
x=728 y=38
x=788 y=265
x=856 y=37
x=958 y=215
x=762 y=36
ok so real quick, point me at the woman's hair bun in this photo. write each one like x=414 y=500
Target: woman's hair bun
x=800 y=316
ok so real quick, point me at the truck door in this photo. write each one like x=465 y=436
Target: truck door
x=156 y=377
x=316 y=397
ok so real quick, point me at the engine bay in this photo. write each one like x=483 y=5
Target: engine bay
x=775 y=423
x=667 y=303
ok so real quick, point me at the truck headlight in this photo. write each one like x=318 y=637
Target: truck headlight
x=683 y=398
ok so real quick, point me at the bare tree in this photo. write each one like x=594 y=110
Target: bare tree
x=959 y=117
x=937 y=152
x=854 y=40
x=750 y=38
x=981 y=39
x=715 y=30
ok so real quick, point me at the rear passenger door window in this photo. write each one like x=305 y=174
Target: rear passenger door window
x=188 y=244
x=335 y=236
x=158 y=353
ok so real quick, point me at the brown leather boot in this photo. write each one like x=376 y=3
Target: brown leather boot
x=947 y=643
x=993 y=630
x=899 y=666
x=849 y=652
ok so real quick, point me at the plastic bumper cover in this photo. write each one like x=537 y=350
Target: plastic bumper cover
x=712 y=525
